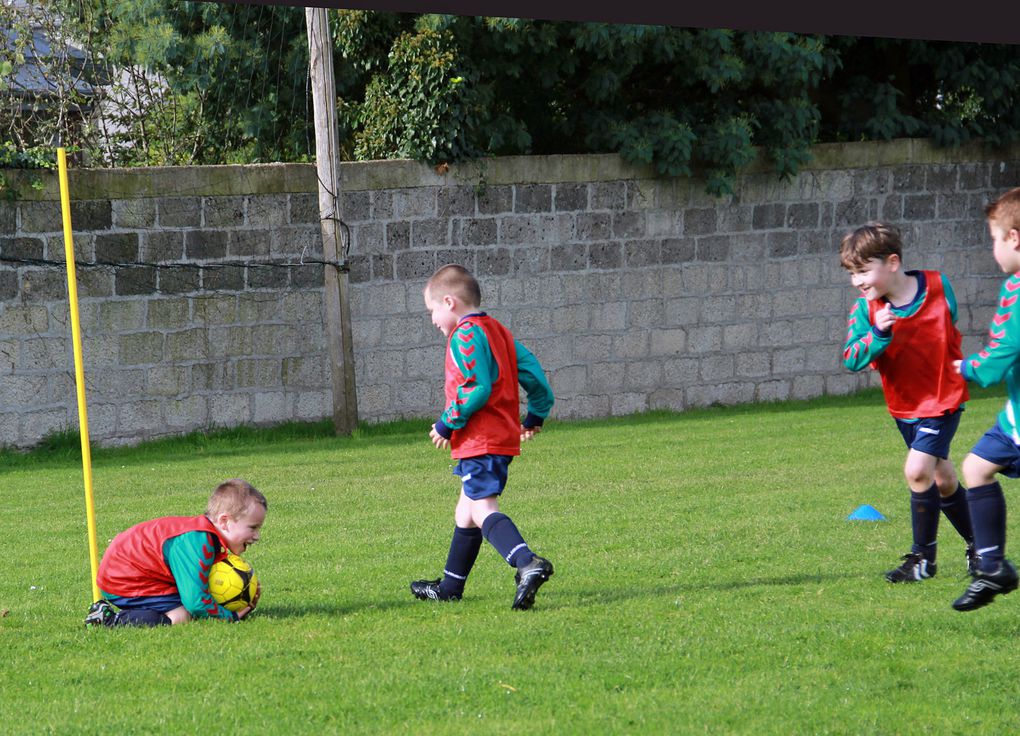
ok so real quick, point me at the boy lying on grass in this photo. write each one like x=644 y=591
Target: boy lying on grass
x=157 y=572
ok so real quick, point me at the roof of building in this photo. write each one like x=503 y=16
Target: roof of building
x=33 y=77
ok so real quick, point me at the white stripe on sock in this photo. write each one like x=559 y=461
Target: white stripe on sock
x=511 y=553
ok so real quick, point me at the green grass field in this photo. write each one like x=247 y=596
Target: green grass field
x=707 y=581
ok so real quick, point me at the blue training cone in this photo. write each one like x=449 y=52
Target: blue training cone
x=866 y=513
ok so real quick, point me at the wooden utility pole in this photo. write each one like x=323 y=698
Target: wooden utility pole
x=337 y=298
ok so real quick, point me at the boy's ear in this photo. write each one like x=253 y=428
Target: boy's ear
x=450 y=301
x=893 y=261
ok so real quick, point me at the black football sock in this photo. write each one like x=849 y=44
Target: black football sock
x=988 y=515
x=956 y=510
x=463 y=552
x=140 y=617
x=502 y=534
x=924 y=518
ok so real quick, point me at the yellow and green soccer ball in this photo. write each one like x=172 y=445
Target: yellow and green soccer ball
x=233 y=583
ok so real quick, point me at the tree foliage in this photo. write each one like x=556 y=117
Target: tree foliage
x=453 y=87
x=45 y=83
x=170 y=82
x=196 y=82
x=681 y=100
x=950 y=92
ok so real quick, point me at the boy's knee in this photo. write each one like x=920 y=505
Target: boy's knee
x=947 y=480
x=919 y=475
x=977 y=471
x=178 y=615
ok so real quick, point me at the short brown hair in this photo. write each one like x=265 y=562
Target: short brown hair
x=234 y=497
x=457 y=281
x=1005 y=211
x=871 y=240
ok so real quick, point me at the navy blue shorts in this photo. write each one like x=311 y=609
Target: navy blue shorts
x=161 y=603
x=483 y=476
x=931 y=435
x=997 y=447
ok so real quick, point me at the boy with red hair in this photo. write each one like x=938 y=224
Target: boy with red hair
x=998 y=451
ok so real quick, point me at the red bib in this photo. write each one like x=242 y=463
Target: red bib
x=495 y=429
x=133 y=564
x=917 y=371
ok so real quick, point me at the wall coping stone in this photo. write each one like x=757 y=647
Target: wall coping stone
x=279 y=178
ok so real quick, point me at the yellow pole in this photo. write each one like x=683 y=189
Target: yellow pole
x=79 y=370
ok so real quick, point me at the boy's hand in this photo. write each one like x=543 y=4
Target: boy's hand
x=528 y=432
x=438 y=440
x=254 y=602
x=957 y=366
x=884 y=318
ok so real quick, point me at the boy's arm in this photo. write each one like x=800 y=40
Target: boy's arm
x=947 y=288
x=532 y=379
x=473 y=357
x=1001 y=352
x=190 y=557
x=864 y=341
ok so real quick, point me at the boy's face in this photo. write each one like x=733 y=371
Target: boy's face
x=1005 y=247
x=443 y=311
x=875 y=278
x=243 y=531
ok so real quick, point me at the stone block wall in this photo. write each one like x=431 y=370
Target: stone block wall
x=201 y=288
x=185 y=331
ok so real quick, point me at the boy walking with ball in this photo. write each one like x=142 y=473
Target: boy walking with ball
x=903 y=324
x=481 y=425
x=998 y=451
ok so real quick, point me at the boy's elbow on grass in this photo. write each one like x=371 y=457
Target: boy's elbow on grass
x=200 y=609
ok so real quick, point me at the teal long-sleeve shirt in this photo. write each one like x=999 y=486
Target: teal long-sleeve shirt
x=190 y=556
x=865 y=342
x=484 y=372
x=1000 y=358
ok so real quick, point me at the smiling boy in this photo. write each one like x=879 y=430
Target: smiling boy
x=903 y=325
x=157 y=572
